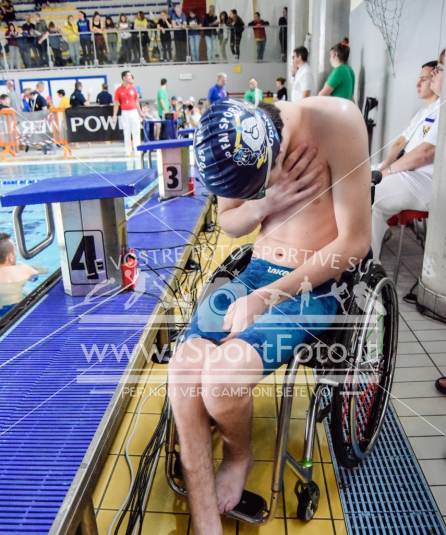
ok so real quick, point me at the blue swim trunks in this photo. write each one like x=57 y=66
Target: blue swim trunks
x=276 y=334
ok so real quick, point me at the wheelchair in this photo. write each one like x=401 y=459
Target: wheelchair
x=352 y=395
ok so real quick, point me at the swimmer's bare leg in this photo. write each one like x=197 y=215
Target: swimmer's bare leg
x=192 y=423
x=228 y=378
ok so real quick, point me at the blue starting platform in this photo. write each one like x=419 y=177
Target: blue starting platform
x=63 y=373
x=81 y=188
x=165 y=144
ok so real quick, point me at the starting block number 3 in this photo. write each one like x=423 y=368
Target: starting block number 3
x=172 y=174
x=86 y=256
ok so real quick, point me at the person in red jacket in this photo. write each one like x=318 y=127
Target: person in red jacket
x=127 y=98
x=258 y=25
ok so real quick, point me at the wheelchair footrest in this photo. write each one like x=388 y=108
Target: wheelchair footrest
x=252 y=508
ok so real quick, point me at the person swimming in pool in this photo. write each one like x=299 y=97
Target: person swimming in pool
x=13 y=276
x=304 y=180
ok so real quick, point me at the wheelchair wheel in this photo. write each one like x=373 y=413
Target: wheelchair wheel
x=360 y=401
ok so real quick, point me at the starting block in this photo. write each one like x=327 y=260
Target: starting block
x=88 y=215
x=186 y=132
x=174 y=164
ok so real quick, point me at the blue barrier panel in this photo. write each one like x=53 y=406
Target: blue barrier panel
x=53 y=392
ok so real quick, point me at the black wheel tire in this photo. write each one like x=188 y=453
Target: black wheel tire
x=308 y=495
x=343 y=449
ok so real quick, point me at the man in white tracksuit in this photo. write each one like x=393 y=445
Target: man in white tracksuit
x=126 y=98
x=407 y=181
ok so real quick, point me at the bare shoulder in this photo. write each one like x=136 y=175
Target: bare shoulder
x=323 y=114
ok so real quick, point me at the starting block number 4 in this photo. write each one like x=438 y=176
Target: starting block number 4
x=86 y=256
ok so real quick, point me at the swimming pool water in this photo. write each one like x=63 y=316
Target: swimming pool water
x=16 y=176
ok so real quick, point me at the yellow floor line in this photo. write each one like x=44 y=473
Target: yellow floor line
x=166 y=514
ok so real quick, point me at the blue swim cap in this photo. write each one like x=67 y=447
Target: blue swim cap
x=235 y=148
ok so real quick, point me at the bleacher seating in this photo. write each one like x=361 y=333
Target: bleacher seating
x=60 y=10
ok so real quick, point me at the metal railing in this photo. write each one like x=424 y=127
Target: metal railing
x=124 y=46
x=20 y=232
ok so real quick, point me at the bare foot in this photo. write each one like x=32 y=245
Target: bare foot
x=230 y=482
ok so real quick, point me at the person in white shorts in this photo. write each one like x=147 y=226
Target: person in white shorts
x=303 y=83
x=407 y=180
x=127 y=98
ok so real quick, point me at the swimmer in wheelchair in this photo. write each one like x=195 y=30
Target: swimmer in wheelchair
x=300 y=171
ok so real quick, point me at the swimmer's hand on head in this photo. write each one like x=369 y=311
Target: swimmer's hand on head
x=294 y=179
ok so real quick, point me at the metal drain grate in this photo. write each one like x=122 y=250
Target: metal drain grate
x=388 y=493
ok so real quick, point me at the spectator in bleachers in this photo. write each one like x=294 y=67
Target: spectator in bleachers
x=24 y=47
x=162 y=99
x=26 y=100
x=12 y=40
x=237 y=29
x=8 y=12
x=282 y=93
x=258 y=25
x=218 y=90
x=38 y=102
x=253 y=96
x=83 y=26
x=341 y=80
x=125 y=52
x=224 y=31
x=38 y=4
x=41 y=31
x=141 y=23
x=135 y=52
x=72 y=37
x=179 y=22
x=194 y=23
x=164 y=25
x=29 y=29
x=104 y=98
x=64 y=101
x=283 y=33
x=97 y=27
x=112 y=39
x=55 y=42
x=407 y=178
x=303 y=83
x=210 y=21
x=27 y=43
x=77 y=98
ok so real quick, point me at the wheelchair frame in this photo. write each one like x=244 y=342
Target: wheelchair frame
x=253 y=508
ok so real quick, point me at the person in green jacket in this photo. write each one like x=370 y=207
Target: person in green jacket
x=253 y=95
x=162 y=99
x=341 y=80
